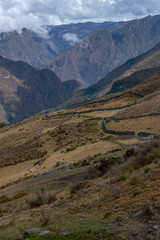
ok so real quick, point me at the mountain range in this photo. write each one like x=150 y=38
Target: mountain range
x=102 y=51
x=80 y=158
x=25 y=91
x=39 y=49
x=126 y=76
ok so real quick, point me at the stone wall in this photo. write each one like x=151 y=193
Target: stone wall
x=117 y=132
x=114 y=97
x=129 y=133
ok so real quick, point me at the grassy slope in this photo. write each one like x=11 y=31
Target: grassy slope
x=88 y=184
x=150 y=88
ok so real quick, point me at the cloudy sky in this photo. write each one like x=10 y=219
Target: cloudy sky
x=15 y=14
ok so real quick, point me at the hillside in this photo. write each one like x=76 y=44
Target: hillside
x=65 y=175
x=149 y=104
x=25 y=91
x=102 y=51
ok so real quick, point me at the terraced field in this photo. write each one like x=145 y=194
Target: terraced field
x=61 y=172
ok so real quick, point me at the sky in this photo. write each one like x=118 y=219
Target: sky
x=33 y=14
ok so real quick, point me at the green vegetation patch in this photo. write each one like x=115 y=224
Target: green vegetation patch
x=56 y=186
x=3 y=124
x=86 y=235
x=80 y=228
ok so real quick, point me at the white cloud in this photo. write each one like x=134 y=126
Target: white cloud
x=16 y=14
x=71 y=37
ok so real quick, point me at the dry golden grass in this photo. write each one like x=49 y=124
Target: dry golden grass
x=101 y=114
x=121 y=101
x=110 y=190
x=137 y=124
x=150 y=88
x=146 y=105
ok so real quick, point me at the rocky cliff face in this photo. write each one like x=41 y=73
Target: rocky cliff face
x=27 y=46
x=38 y=50
x=126 y=76
x=25 y=91
x=102 y=51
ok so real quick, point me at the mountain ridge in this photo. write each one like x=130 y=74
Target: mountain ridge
x=131 y=72
x=38 y=49
x=26 y=91
x=102 y=51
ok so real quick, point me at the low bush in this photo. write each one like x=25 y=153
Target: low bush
x=146 y=169
x=76 y=187
x=3 y=124
x=134 y=181
x=92 y=173
x=130 y=152
x=122 y=177
x=71 y=148
x=146 y=154
x=116 y=191
x=41 y=198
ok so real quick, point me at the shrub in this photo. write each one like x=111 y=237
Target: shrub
x=4 y=199
x=147 y=154
x=146 y=169
x=122 y=177
x=76 y=187
x=129 y=152
x=116 y=191
x=134 y=181
x=71 y=148
x=51 y=197
x=40 y=198
x=92 y=172
x=3 y=124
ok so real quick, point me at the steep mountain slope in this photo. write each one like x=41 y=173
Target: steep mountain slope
x=102 y=51
x=144 y=66
x=27 y=46
x=25 y=91
x=123 y=77
x=37 y=49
